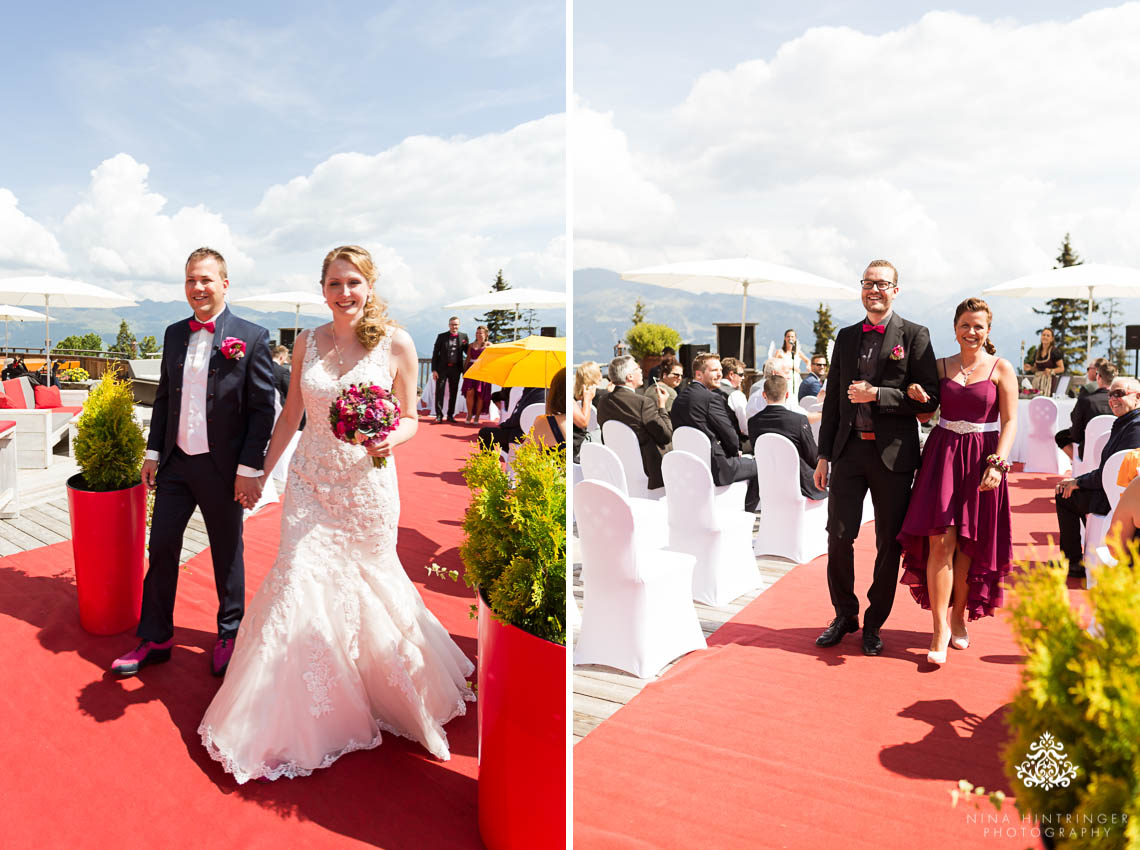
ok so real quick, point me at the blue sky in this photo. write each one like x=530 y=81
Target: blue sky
x=280 y=130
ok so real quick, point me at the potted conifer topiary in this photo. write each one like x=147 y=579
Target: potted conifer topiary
x=515 y=556
x=1074 y=757
x=107 y=503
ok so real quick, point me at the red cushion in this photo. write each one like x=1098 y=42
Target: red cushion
x=6 y=425
x=66 y=409
x=15 y=392
x=47 y=398
x=4 y=403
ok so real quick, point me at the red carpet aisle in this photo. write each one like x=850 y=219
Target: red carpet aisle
x=764 y=740
x=94 y=762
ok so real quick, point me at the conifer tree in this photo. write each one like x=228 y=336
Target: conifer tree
x=1068 y=318
x=824 y=329
x=500 y=323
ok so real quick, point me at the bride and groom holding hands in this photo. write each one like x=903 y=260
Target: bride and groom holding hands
x=952 y=527
x=336 y=645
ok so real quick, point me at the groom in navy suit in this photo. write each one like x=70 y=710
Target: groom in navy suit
x=213 y=415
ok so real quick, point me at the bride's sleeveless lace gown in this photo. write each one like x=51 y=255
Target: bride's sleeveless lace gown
x=337 y=644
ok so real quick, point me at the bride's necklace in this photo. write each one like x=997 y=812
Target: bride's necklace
x=336 y=348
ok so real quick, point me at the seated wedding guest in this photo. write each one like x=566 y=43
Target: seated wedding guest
x=700 y=406
x=509 y=431
x=733 y=371
x=588 y=390
x=657 y=371
x=11 y=370
x=550 y=429
x=813 y=381
x=645 y=415
x=671 y=375
x=775 y=418
x=1077 y=497
x=756 y=400
x=1090 y=402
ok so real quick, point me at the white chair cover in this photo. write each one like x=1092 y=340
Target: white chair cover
x=601 y=463
x=1041 y=452
x=720 y=539
x=791 y=526
x=1096 y=427
x=622 y=439
x=696 y=443
x=1097 y=525
x=637 y=612
x=811 y=404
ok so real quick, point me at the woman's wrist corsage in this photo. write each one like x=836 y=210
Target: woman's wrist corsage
x=1002 y=466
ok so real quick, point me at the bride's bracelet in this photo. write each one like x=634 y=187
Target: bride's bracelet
x=1002 y=466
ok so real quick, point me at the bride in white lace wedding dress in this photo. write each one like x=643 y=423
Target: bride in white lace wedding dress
x=337 y=645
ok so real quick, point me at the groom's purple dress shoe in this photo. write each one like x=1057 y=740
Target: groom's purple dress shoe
x=223 y=649
x=145 y=653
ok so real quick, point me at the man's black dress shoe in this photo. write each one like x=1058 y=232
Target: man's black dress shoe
x=836 y=630
x=451 y=420
x=872 y=644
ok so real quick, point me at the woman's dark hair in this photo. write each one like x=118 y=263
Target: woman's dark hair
x=556 y=394
x=795 y=345
x=977 y=305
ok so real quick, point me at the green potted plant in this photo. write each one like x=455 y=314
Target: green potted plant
x=1074 y=755
x=647 y=341
x=107 y=503
x=515 y=556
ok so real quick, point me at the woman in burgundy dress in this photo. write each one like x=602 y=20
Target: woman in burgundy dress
x=957 y=544
x=477 y=393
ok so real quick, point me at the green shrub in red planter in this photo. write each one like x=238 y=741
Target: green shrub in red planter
x=515 y=555
x=107 y=502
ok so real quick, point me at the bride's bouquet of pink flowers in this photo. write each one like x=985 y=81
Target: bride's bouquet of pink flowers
x=363 y=415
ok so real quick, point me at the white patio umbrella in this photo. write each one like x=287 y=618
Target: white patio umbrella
x=746 y=276
x=508 y=299
x=298 y=300
x=60 y=292
x=19 y=314
x=1086 y=281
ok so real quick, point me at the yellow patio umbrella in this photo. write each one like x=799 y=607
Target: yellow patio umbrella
x=528 y=362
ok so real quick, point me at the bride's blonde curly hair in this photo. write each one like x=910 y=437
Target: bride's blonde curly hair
x=374 y=325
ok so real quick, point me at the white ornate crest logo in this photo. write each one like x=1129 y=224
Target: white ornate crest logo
x=1047 y=766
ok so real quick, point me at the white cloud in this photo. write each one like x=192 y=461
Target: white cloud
x=25 y=244
x=458 y=209
x=120 y=232
x=961 y=149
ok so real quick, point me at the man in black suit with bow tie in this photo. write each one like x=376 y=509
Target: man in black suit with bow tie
x=212 y=419
x=869 y=434
x=446 y=366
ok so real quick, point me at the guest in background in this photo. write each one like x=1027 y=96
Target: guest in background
x=645 y=416
x=1077 y=497
x=757 y=401
x=477 y=393
x=11 y=370
x=1045 y=364
x=671 y=375
x=1090 y=403
x=790 y=351
x=657 y=371
x=281 y=372
x=700 y=406
x=550 y=429
x=510 y=430
x=446 y=365
x=775 y=418
x=813 y=380
x=588 y=391
x=733 y=377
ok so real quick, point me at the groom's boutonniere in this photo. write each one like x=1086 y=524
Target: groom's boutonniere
x=897 y=353
x=233 y=348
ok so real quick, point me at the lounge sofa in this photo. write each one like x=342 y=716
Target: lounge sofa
x=144 y=379
x=38 y=428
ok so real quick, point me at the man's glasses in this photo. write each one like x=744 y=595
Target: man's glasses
x=1120 y=393
x=881 y=285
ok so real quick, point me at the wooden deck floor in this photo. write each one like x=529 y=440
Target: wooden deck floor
x=600 y=691
x=44 y=517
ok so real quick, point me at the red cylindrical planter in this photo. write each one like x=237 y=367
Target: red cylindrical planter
x=522 y=737
x=108 y=540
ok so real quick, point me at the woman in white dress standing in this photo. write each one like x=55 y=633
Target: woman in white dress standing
x=337 y=645
x=791 y=354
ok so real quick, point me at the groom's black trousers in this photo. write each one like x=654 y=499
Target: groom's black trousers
x=449 y=378
x=857 y=469
x=186 y=482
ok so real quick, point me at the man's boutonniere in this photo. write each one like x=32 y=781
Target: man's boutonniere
x=233 y=348
x=897 y=353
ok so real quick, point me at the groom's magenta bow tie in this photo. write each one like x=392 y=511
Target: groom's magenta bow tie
x=195 y=325
x=879 y=329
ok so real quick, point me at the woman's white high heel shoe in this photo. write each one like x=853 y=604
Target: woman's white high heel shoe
x=961 y=641
x=936 y=657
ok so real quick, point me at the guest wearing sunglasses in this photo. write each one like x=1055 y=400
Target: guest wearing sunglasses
x=1077 y=497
